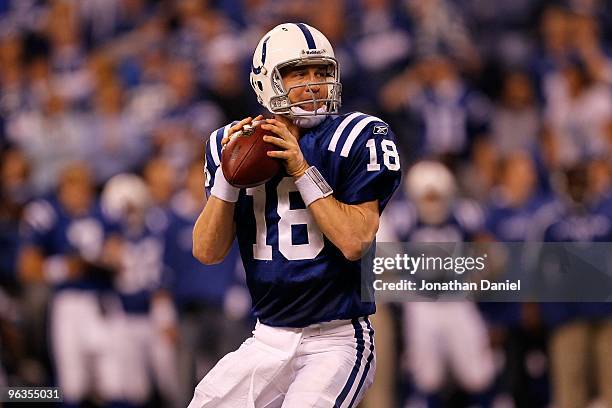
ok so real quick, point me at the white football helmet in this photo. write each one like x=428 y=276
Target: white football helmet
x=431 y=186
x=123 y=194
x=293 y=44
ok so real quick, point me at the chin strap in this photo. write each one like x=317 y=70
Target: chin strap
x=308 y=119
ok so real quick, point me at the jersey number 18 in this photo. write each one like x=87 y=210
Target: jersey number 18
x=288 y=218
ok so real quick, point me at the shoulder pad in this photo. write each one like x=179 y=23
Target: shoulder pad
x=349 y=128
x=40 y=215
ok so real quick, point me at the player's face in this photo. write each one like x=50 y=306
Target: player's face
x=305 y=78
x=519 y=177
x=160 y=177
x=433 y=208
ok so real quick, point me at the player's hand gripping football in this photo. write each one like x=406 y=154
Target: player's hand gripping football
x=237 y=128
x=295 y=164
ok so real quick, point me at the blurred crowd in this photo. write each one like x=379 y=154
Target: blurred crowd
x=503 y=111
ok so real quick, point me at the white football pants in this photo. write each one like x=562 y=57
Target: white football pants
x=84 y=348
x=146 y=356
x=447 y=335
x=323 y=365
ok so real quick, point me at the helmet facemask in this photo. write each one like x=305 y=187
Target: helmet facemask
x=330 y=105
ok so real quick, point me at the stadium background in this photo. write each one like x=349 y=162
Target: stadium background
x=508 y=94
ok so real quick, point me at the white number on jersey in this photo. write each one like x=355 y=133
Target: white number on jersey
x=141 y=266
x=288 y=218
x=87 y=236
x=261 y=250
x=390 y=155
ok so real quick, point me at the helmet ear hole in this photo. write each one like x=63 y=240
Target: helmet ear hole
x=260 y=85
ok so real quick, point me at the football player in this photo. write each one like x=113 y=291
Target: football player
x=516 y=209
x=145 y=332
x=441 y=336
x=580 y=331
x=301 y=234
x=63 y=238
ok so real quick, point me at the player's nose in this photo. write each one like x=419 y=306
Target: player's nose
x=313 y=87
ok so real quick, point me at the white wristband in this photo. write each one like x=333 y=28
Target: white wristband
x=224 y=190
x=312 y=186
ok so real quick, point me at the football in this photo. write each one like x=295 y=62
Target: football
x=244 y=159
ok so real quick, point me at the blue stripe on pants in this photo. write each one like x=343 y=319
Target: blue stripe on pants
x=368 y=363
x=351 y=380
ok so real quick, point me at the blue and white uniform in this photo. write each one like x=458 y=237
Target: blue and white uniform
x=443 y=336
x=507 y=223
x=147 y=355
x=140 y=275
x=313 y=345
x=81 y=343
x=463 y=222
x=579 y=331
x=594 y=224
x=56 y=233
x=295 y=275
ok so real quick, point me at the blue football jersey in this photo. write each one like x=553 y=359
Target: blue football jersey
x=189 y=281
x=296 y=276
x=141 y=267
x=517 y=224
x=48 y=227
x=463 y=222
x=592 y=224
x=507 y=223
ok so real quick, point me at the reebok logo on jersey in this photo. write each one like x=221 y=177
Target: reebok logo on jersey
x=380 y=130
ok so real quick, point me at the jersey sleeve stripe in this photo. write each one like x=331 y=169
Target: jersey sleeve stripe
x=214 y=147
x=215 y=139
x=346 y=148
x=340 y=129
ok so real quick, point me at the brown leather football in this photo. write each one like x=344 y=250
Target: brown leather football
x=244 y=160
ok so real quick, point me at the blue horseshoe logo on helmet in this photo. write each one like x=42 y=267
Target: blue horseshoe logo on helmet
x=257 y=70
